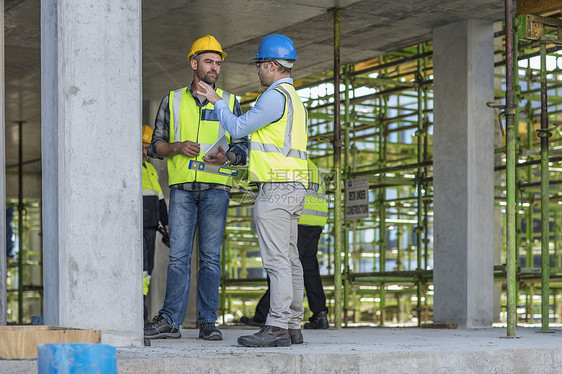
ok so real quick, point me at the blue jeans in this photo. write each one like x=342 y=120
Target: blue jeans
x=189 y=211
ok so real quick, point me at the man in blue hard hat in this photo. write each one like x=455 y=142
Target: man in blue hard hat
x=311 y=223
x=278 y=124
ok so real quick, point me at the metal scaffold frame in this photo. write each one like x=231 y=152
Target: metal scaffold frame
x=24 y=269
x=374 y=119
x=385 y=261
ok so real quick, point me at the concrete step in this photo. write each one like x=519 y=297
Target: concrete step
x=350 y=350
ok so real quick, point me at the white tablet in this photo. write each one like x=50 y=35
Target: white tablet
x=214 y=148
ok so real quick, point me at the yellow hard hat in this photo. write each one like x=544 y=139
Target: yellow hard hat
x=146 y=134
x=207 y=43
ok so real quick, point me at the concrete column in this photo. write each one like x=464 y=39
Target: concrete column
x=499 y=217
x=91 y=111
x=463 y=180
x=3 y=292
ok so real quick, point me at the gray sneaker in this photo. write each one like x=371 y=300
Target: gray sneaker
x=160 y=328
x=208 y=331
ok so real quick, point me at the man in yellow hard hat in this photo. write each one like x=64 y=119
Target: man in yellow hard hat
x=154 y=212
x=186 y=126
x=278 y=124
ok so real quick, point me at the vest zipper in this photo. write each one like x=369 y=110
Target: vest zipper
x=197 y=138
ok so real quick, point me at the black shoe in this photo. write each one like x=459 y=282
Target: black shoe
x=208 y=331
x=249 y=321
x=318 y=321
x=268 y=336
x=160 y=328
x=296 y=336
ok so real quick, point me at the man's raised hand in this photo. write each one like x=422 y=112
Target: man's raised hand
x=209 y=92
x=188 y=148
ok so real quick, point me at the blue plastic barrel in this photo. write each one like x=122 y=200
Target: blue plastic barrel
x=76 y=359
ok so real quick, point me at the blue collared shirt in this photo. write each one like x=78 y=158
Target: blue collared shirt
x=268 y=109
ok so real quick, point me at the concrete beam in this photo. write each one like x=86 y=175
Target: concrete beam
x=463 y=180
x=91 y=158
x=538 y=7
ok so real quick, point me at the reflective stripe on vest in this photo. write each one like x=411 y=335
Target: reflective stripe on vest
x=152 y=193
x=201 y=125
x=315 y=212
x=150 y=185
x=278 y=150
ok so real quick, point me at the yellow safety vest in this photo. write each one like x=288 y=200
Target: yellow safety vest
x=315 y=211
x=150 y=185
x=200 y=125
x=278 y=150
x=151 y=196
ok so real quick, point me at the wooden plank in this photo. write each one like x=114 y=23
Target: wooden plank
x=20 y=342
x=538 y=7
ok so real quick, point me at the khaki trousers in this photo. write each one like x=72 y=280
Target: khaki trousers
x=276 y=214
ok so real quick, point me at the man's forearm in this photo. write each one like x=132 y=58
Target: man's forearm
x=165 y=149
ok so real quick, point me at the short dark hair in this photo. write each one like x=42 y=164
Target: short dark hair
x=282 y=69
x=197 y=54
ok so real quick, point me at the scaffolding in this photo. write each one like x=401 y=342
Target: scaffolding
x=386 y=131
x=24 y=267
x=378 y=270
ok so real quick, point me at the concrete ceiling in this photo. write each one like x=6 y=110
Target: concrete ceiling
x=368 y=28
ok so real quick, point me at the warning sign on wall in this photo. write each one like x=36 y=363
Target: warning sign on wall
x=356 y=198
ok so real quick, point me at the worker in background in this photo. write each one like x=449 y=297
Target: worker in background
x=312 y=222
x=186 y=126
x=10 y=232
x=278 y=124
x=154 y=211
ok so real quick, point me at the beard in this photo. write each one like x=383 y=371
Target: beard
x=262 y=80
x=205 y=77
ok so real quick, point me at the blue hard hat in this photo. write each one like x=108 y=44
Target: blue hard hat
x=276 y=46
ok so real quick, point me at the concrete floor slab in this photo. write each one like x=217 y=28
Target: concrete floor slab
x=350 y=350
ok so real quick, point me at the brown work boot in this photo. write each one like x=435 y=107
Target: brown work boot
x=296 y=336
x=268 y=336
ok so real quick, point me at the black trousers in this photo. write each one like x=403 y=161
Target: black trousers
x=148 y=248
x=307 y=244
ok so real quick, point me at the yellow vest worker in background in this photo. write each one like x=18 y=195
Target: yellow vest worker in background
x=154 y=211
x=186 y=126
x=278 y=124
x=312 y=222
